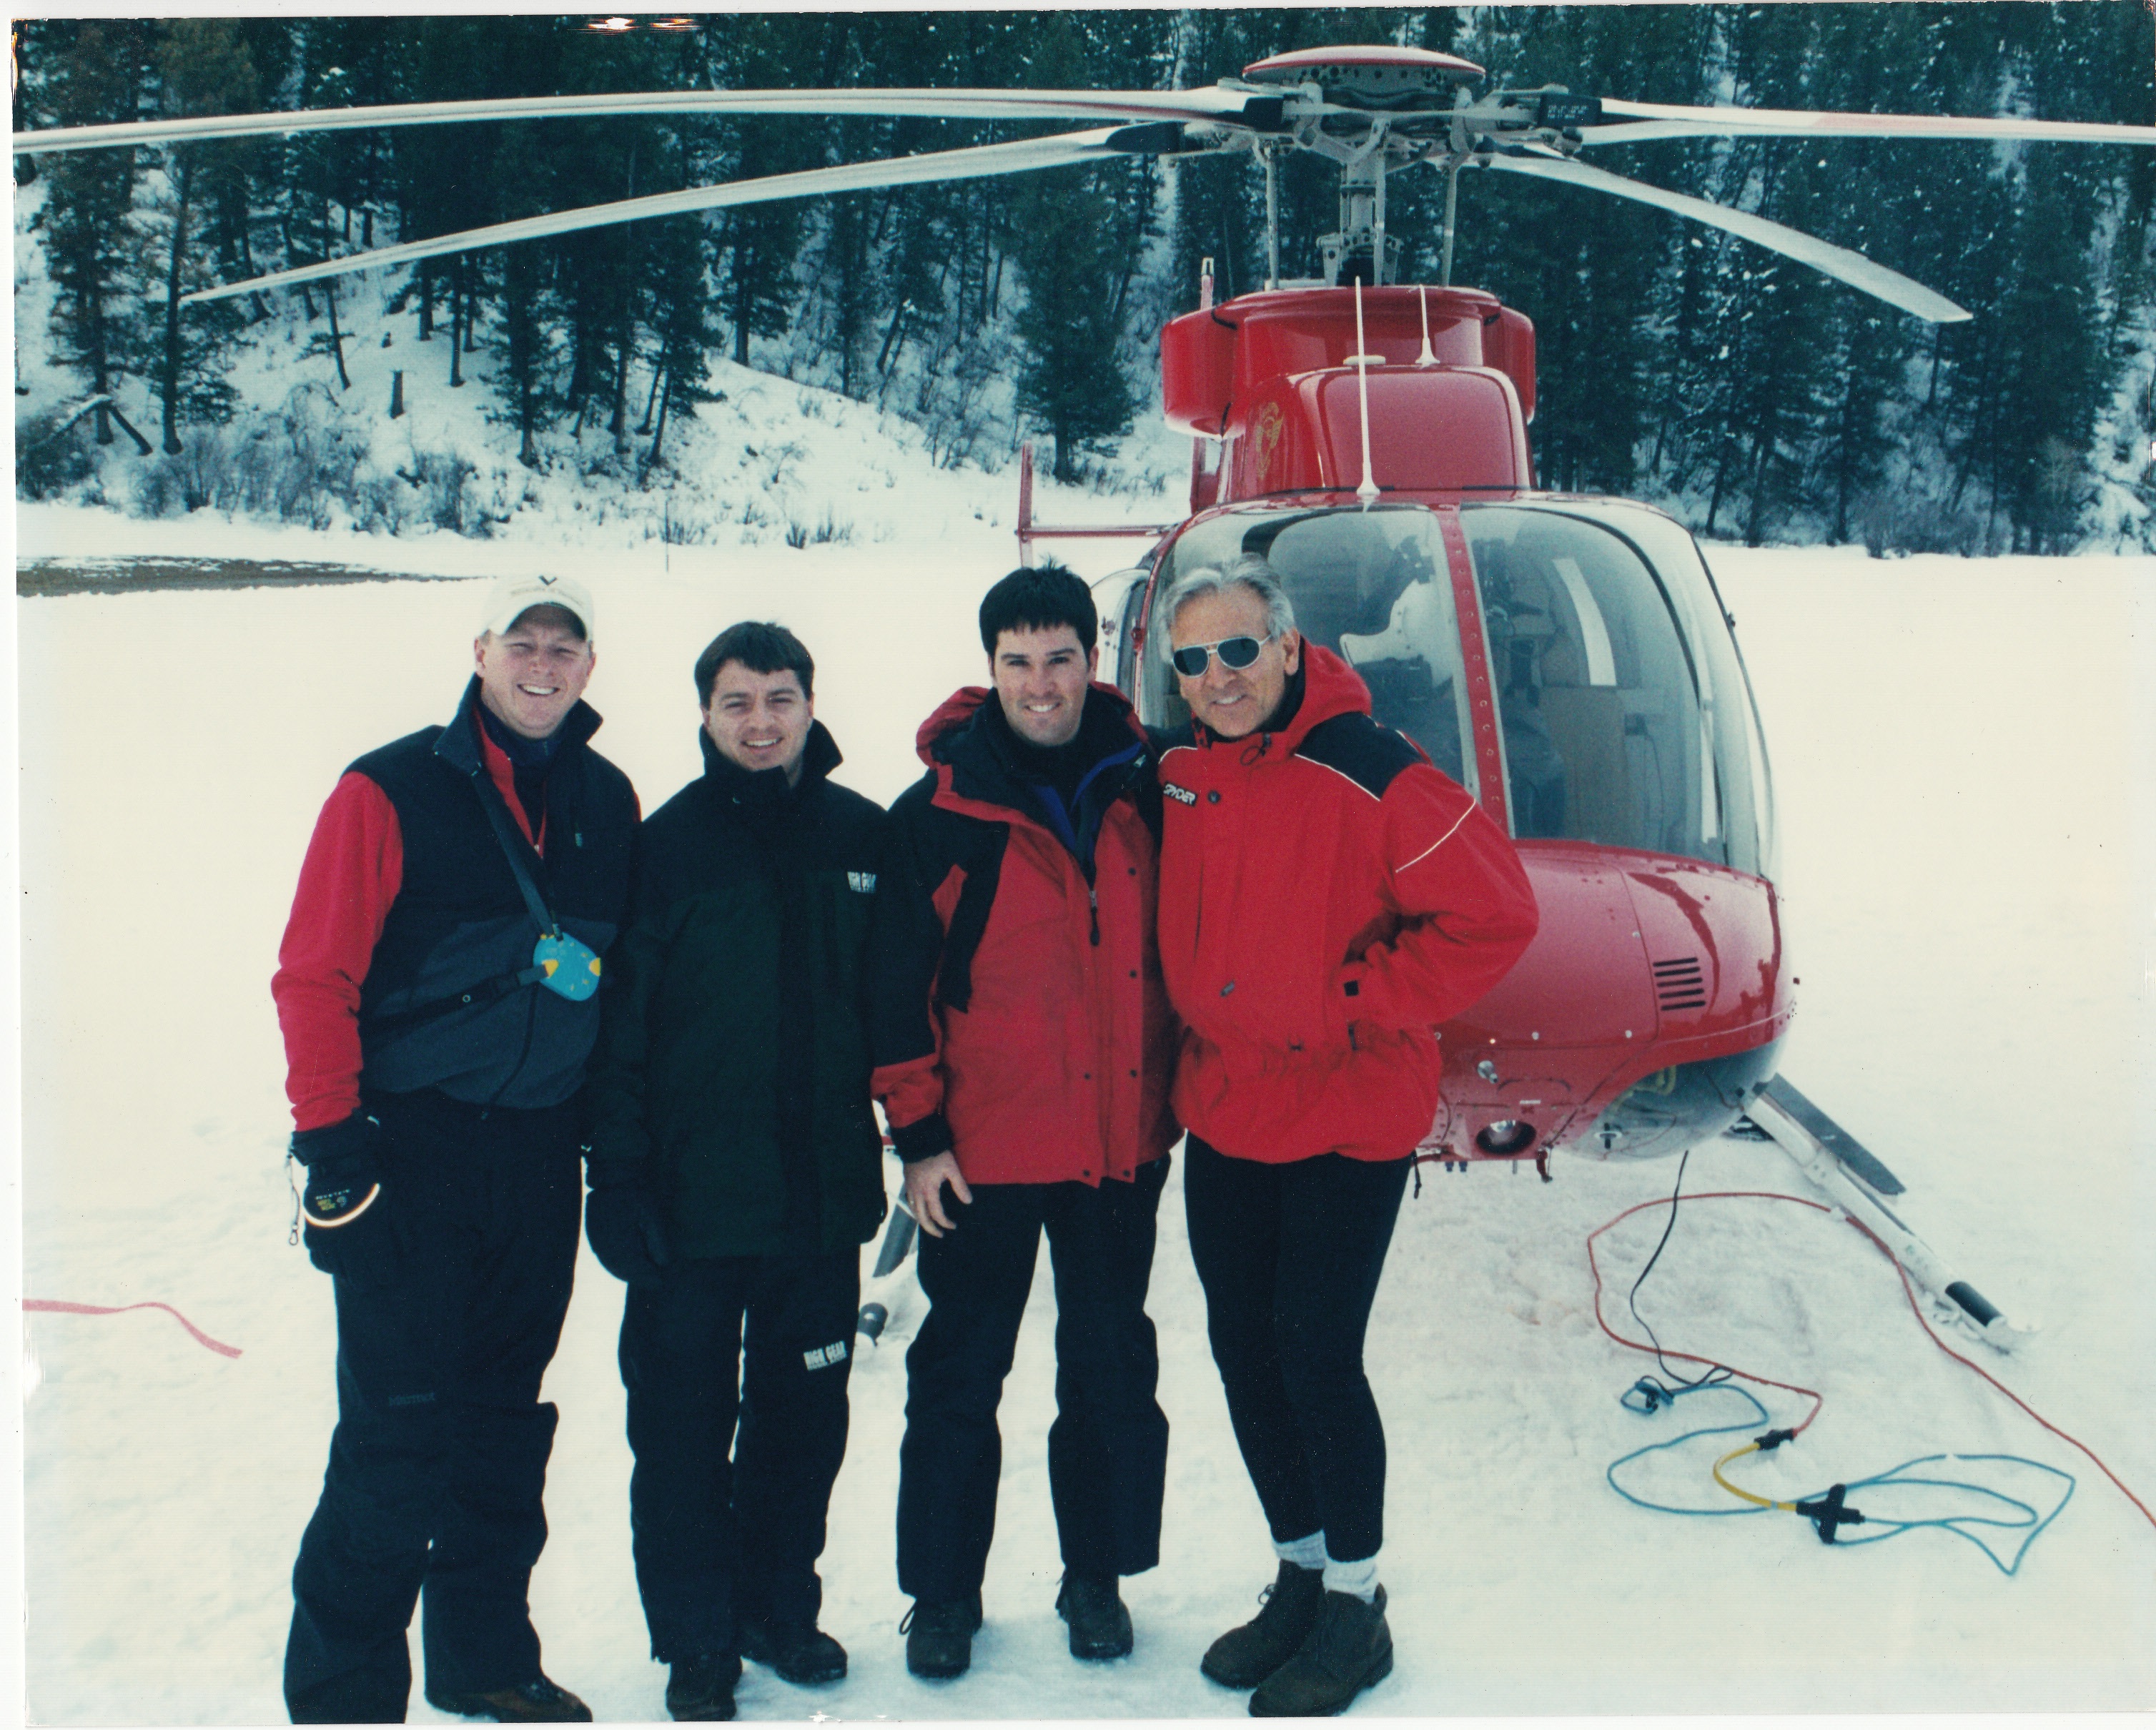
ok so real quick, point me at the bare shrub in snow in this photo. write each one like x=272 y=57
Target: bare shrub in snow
x=48 y=459
x=825 y=531
x=443 y=480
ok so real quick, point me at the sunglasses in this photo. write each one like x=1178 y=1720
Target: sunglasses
x=1235 y=652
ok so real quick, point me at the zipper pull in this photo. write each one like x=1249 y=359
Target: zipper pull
x=1093 y=897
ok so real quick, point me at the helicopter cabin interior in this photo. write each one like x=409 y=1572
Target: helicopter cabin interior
x=1622 y=716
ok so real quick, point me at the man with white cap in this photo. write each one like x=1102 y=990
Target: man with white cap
x=435 y=987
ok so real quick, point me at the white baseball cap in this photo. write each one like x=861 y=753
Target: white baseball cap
x=512 y=595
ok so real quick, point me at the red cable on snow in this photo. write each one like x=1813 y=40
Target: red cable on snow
x=1817 y=1399
x=1909 y=1291
x=61 y=1307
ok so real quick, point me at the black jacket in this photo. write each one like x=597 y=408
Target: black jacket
x=733 y=1064
x=433 y=1013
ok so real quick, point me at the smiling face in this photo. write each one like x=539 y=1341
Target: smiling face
x=759 y=721
x=1231 y=700
x=1040 y=678
x=531 y=676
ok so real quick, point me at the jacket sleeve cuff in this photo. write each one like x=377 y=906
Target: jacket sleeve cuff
x=351 y=1135
x=923 y=1139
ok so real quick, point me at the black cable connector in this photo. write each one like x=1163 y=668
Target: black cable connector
x=1773 y=1439
x=1827 y=1513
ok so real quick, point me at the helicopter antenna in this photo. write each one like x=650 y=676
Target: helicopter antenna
x=1428 y=357
x=1272 y=211
x=1451 y=206
x=1367 y=491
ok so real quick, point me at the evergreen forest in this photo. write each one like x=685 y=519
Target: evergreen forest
x=1758 y=400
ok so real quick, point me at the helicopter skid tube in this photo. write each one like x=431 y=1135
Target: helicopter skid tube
x=1825 y=1170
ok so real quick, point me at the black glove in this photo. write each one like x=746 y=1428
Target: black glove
x=622 y=1219
x=349 y=1230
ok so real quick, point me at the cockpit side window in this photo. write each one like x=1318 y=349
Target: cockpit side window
x=1617 y=699
x=1371 y=585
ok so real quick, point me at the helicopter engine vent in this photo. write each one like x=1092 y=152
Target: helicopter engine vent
x=1679 y=985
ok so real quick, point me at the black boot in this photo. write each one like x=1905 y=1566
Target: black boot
x=537 y=1701
x=701 y=1689
x=1349 y=1649
x=939 y=1635
x=1244 y=1656
x=1100 y=1625
x=801 y=1652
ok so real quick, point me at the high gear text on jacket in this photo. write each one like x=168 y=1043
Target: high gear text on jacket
x=1328 y=898
x=1024 y=1025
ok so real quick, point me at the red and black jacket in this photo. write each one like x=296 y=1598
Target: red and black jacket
x=1022 y=1021
x=1327 y=897
x=409 y=921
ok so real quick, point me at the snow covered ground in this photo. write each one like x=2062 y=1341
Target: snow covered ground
x=1965 y=756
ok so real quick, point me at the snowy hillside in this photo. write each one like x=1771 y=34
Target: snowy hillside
x=1965 y=756
x=770 y=463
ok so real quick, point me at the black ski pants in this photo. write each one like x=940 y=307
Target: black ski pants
x=736 y=1369
x=1289 y=1256
x=1107 y=1449
x=439 y=1460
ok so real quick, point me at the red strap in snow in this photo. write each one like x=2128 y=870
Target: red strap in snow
x=61 y=1307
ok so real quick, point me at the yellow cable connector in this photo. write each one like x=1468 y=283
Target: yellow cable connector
x=1787 y=1507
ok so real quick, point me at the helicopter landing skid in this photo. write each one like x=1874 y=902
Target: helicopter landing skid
x=1839 y=1167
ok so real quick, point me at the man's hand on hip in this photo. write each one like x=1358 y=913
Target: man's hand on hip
x=924 y=1179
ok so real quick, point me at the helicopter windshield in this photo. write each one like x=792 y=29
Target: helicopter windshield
x=1370 y=585
x=1626 y=715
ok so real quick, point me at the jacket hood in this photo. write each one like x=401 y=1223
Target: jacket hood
x=1330 y=687
x=956 y=710
x=820 y=756
x=953 y=713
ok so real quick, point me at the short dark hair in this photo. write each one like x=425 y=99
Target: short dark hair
x=1039 y=597
x=760 y=648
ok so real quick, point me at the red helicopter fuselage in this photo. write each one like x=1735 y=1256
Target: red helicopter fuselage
x=1567 y=658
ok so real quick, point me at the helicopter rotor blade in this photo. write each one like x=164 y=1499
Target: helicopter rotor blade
x=1838 y=262
x=1019 y=157
x=1644 y=121
x=1262 y=112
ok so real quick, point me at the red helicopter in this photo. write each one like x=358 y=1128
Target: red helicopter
x=1567 y=658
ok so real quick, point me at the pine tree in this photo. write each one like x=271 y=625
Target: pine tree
x=206 y=69
x=93 y=243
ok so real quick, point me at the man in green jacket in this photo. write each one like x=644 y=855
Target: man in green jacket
x=735 y=1169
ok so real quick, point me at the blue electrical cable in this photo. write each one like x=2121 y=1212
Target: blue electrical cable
x=1652 y=1396
x=2030 y=1525
x=1647 y=1396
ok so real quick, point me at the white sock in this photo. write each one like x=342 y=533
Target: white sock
x=1306 y=1552
x=1358 y=1580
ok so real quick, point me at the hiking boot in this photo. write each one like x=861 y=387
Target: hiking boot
x=701 y=1689
x=1100 y=1625
x=1348 y=1650
x=537 y=1701
x=801 y=1652
x=1244 y=1656
x=939 y=1635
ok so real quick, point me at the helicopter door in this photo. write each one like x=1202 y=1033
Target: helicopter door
x=1119 y=598
x=1625 y=715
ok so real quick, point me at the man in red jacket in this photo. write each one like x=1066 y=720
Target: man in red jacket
x=1326 y=899
x=1024 y=1052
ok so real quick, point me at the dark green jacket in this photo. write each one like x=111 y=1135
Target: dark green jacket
x=732 y=1069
